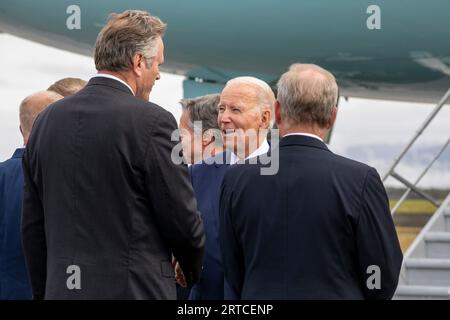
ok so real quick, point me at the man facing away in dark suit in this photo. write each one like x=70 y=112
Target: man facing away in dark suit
x=244 y=114
x=321 y=227
x=14 y=283
x=105 y=207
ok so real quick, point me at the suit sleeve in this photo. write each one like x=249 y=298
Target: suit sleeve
x=232 y=256
x=33 y=233
x=377 y=243
x=173 y=200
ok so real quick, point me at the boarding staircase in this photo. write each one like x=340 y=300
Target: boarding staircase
x=425 y=272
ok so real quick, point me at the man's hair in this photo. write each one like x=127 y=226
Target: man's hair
x=307 y=94
x=204 y=109
x=31 y=106
x=67 y=86
x=125 y=35
x=264 y=93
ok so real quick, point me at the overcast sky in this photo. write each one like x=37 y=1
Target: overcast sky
x=370 y=131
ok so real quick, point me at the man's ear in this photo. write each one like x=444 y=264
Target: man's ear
x=278 y=113
x=207 y=137
x=333 y=118
x=22 y=133
x=266 y=116
x=25 y=138
x=138 y=64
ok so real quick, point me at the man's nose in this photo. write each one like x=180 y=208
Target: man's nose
x=225 y=117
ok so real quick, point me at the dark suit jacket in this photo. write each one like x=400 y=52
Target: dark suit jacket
x=102 y=193
x=206 y=179
x=14 y=282
x=309 y=232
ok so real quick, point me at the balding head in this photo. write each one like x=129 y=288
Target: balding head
x=30 y=108
x=308 y=95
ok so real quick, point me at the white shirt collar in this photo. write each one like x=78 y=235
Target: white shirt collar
x=303 y=134
x=263 y=148
x=110 y=76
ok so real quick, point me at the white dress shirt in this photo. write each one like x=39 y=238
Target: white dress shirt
x=263 y=148
x=105 y=75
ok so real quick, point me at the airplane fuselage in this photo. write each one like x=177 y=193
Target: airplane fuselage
x=401 y=52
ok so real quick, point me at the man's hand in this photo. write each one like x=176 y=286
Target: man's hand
x=179 y=276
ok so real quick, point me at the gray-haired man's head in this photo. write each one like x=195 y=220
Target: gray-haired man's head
x=307 y=98
x=199 y=129
x=130 y=46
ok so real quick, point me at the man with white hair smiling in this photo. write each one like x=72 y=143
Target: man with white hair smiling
x=245 y=114
x=321 y=227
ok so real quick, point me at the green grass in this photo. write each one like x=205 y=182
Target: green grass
x=406 y=236
x=414 y=206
